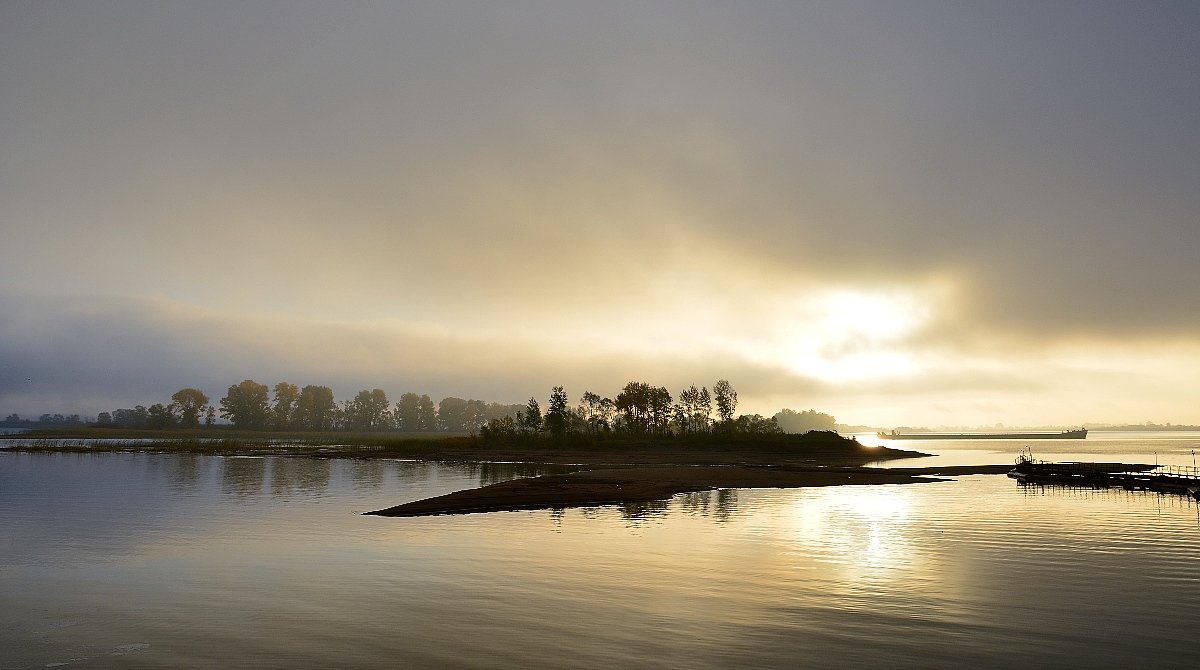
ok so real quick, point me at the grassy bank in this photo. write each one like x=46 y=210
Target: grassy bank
x=700 y=449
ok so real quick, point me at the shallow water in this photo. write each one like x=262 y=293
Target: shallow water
x=1165 y=448
x=151 y=560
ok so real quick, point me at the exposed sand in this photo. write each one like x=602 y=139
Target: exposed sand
x=645 y=483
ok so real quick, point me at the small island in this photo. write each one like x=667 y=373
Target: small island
x=644 y=445
x=638 y=484
x=623 y=473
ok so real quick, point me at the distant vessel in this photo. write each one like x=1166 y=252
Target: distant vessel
x=1064 y=435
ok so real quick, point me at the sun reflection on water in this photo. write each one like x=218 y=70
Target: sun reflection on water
x=862 y=526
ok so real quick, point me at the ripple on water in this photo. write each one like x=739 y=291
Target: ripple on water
x=208 y=562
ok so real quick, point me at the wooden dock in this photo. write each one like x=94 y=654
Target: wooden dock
x=1180 y=479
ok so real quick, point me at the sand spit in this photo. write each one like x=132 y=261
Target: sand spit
x=640 y=484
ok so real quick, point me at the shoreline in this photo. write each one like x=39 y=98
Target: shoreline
x=603 y=473
x=605 y=486
x=828 y=449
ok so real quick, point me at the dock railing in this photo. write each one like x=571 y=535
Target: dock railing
x=1176 y=471
x=1183 y=479
x=1069 y=469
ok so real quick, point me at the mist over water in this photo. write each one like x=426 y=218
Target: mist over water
x=1164 y=448
x=153 y=560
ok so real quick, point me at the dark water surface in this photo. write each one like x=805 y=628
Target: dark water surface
x=151 y=560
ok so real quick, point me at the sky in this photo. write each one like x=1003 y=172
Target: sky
x=899 y=213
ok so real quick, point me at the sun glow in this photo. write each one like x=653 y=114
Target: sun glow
x=848 y=335
x=882 y=316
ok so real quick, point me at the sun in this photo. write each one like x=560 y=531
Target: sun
x=879 y=315
x=847 y=335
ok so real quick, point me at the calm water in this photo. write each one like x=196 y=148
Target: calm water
x=146 y=560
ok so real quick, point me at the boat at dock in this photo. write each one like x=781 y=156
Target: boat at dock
x=1078 y=434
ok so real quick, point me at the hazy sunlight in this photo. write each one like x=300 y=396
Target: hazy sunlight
x=847 y=335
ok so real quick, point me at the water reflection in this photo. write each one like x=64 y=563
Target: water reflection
x=862 y=526
x=1162 y=498
x=414 y=470
x=285 y=476
x=367 y=474
x=295 y=477
x=104 y=550
x=305 y=475
x=493 y=473
x=640 y=512
x=695 y=502
x=242 y=477
x=185 y=471
x=720 y=505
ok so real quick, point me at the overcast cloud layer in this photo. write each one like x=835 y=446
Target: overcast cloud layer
x=939 y=213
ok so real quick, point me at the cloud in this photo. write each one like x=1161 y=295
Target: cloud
x=95 y=354
x=498 y=198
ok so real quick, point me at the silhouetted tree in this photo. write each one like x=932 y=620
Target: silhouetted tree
x=368 y=411
x=337 y=417
x=633 y=402
x=315 y=408
x=160 y=417
x=756 y=424
x=726 y=400
x=557 y=414
x=407 y=413
x=131 y=418
x=245 y=404
x=694 y=409
x=426 y=414
x=644 y=408
x=659 y=409
x=476 y=415
x=530 y=420
x=452 y=414
x=500 y=428
x=597 y=413
x=187 y=405
x=283 y=412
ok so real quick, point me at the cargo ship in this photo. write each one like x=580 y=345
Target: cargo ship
x=1078 y=434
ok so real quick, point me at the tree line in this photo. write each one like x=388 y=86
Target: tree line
x=250 y=405
x=44 y=421
x=638 y=409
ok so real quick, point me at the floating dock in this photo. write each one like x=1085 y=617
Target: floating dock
x=1180 y=479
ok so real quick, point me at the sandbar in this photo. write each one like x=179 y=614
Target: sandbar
x=604 y=486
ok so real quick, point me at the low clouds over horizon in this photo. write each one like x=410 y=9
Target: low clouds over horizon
x=896 y=212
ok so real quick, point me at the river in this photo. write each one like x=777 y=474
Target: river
x=189 y=561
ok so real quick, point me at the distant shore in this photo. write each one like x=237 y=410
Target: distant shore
x=810 y=449
x=625 y=470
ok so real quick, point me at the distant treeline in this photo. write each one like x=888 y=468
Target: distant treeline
x=644 y=409
x=250 y=405
x=45 y=421
x=639 y=408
